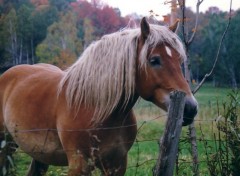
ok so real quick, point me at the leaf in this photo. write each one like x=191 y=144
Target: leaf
x=219 y=118
x=194 y=30
x=3 y=144
x=4 y=170
x=10 y=160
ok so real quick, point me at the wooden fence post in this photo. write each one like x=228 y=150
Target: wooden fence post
x=169 y=142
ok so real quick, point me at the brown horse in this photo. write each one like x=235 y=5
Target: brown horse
x=83 y=117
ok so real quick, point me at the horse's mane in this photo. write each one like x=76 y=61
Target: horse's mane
x=105 y=72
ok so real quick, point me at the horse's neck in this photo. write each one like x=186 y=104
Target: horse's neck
x=126 y=107
x=121 y=112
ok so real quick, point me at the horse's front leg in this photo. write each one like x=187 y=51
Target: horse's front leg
x=78 y=164
x=114 y=167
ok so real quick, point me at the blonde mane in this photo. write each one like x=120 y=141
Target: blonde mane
x=105 y=73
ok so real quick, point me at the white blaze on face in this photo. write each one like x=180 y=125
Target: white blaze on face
x=168 y=50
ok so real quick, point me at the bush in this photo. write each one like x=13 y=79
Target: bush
x=224 y=157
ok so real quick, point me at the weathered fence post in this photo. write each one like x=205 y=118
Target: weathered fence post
x=169 y=142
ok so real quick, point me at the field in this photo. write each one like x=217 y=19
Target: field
x=143 y=155
x=208 y=98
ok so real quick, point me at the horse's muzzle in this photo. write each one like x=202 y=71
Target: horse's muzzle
x=190 y=110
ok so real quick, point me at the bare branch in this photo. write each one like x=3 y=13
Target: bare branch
x=182 y=6
x=196 y=22
x=186 y=41
x=218 y=51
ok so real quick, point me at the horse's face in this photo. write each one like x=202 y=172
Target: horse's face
x=163 y=74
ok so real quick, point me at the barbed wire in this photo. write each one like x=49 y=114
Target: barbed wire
x=102 y=128
x=84 y=129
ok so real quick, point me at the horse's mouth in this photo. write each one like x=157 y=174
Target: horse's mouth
x=187 y=121
x=190 y=111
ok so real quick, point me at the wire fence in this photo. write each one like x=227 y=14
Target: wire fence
x=149 y=139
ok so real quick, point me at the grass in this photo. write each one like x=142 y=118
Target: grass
x=142 y=156
x=208 y=99
x=210 y=95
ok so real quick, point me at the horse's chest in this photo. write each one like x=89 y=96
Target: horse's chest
x=109 y=146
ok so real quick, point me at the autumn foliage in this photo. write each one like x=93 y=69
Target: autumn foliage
x=39 y=2
x=104 y=18
x=52 y=31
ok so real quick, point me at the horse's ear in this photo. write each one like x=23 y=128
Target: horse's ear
x=174 y=26
x=145 y=28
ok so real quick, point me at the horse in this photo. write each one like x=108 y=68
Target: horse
x=82 y=117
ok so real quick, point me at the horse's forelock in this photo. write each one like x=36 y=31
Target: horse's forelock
x=161 y=34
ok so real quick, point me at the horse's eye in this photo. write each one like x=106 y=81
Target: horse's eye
x=155 y=61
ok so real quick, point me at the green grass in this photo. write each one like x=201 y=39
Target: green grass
x=210 y=95
x=145 y=151
x=209 y=98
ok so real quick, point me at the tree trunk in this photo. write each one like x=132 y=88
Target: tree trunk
x=13 y=40
x=32 y=49
x=233 y=77
x=20 y=52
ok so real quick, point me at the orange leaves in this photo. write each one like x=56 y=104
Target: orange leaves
x=64 y=59
x=194 y=30
x=39 y=2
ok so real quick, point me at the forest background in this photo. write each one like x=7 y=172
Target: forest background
x=57 y=32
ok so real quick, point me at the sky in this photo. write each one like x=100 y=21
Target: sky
x=142 y=7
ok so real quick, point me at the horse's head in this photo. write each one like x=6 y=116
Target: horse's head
x=160 y=54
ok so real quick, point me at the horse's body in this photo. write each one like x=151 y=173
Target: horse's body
x=64 y=118
x=40 y=122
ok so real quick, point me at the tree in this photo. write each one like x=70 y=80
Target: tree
x=226 y=72
x=103 y=18
x=231 y=51
x=88 y=32
x=61 y=41
x=188 y=39
x=25 y=31
x=39 y=2
x=107 y=21
x=23 y=27
x=61 y=5
x=2 y=39
x=10 y=30
x=41 y=20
